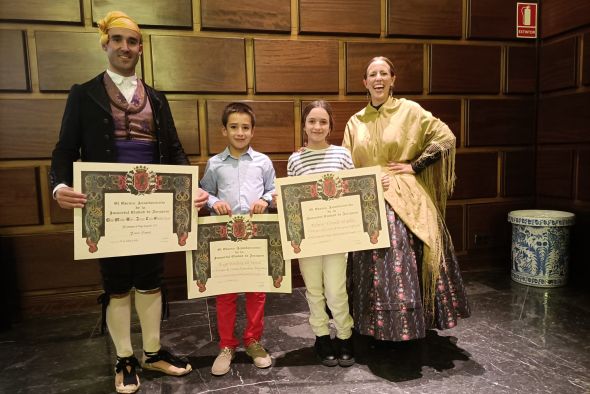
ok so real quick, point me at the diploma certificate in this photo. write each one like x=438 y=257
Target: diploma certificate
x=332 y=213
x=134 y=209
x=236 y=255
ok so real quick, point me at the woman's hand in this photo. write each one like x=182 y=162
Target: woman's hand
x=385 y=181
x=400 y=168
x=67 y=198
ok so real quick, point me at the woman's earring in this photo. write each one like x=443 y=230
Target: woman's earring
x=368 y=95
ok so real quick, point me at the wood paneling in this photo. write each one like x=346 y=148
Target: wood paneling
x=407 y=59
x=521 y=70
x=29 y=128
x=273 y=133
x=492 y=19
x=559 y=16
x=280 y=167
x=449 y=111
x=46 y=261
x=500 y=122
x=555 y=173
x=465 y=69
x=518 y=174
x=341 y=111
x=431 y=18
x=340 y=16
x=58 y=214
x=198 y=64
x=488 y=226
x=558 y=65
x=19 y=197
x=583 y=180
x=257 y=15
x=14 y=66
x=68 y=11
x=296 y=66
x=186 y=119
x=61 y=65
x=586 y=60
x=564 y=119
x=454 y=221
x=173 y=13
x=477 y=175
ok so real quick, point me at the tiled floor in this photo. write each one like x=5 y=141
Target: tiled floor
x=519 y=340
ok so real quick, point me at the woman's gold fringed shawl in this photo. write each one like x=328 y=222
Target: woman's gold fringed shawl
x=402 y=131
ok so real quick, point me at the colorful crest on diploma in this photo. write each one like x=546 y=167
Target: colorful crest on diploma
x=140 y=180
x=329 y=187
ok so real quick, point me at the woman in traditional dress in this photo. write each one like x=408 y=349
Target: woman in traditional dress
x=401 y=291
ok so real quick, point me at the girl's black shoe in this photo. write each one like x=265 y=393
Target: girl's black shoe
x=325 y=351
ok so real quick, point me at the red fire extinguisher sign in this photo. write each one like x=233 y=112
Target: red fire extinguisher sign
x=526 y=20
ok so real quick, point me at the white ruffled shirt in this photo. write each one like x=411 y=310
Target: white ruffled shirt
x=126 y=85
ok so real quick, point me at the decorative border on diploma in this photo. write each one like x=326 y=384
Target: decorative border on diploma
x=138 y=181
x=329 y=187
x=239 y=228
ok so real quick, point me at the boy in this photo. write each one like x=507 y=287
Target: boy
x=239 y=180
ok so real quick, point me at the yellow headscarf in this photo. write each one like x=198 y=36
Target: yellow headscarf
x=115 y=19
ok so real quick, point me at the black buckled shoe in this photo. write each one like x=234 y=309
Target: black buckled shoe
x=345 y=352
x=126 y=379
x=325 y=351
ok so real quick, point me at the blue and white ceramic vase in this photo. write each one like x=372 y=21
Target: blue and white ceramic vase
x=540 y=246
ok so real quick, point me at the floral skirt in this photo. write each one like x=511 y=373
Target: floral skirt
x=385 y=288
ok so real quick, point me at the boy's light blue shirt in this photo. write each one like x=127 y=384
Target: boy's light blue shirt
x=239 y=182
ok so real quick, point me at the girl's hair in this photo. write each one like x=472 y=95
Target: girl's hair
x=317 y=104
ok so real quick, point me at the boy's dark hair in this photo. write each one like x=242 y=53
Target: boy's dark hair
x=237 y=108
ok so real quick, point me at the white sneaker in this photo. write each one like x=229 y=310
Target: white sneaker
x=222 y=362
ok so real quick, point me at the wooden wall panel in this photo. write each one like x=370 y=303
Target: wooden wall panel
x=186 y=119
x=488 y=227
x=491 y=19
x=586 y=60
x=430 y=18
x=273 y=133
x=19 y=197
x=296 y=66
x=558 y=65
x=207 y=69
x=521 y=70
x=46 y=261
x=257 y=15
x=518 y=174
x=477 y=175
x=500 y=122
x=454 y=221
x=449 y=111
x=59 y=215
x=583 y=179
x=68 y=11
x=559 y=16
x=464 y=69
x=29 y=128
x=173 y=13
x=60 y=66
x=564 y=119
x=342 y=111
x=280 y=167
x=14 y=65
x=555 y=173
x=407 y=59
x=340 y=16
